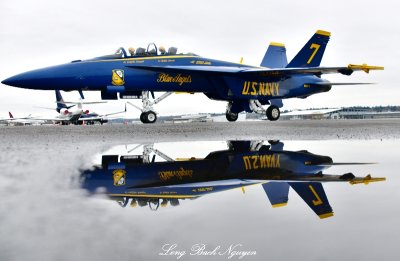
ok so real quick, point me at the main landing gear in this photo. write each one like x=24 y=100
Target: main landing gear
x=273 y=113
x=148 y=115
x=231 y=116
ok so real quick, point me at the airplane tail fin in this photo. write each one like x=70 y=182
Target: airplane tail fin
x=311 y=54
x=10 y=114
x=275 y=57
x=314 y=195
x=60 y=102
x=277 y=192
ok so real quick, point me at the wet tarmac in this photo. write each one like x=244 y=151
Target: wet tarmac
x=47 y=211
x=288 y=130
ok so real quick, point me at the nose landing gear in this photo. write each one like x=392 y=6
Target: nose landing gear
x=148 y=115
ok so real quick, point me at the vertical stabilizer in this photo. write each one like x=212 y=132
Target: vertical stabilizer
x=314 y=195
x=277 y=192
x=311 y=54
x=275 y=57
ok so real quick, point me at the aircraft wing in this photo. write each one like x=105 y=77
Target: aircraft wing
x=57 y=118
x=101 y=117
x=96 y=118
x=50 y=119
x=346 y=70
x=190 y=190
x=114 y=113
x=20 y=118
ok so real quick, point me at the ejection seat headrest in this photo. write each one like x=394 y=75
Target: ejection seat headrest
x=172 y=50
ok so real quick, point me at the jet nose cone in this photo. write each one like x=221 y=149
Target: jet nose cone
x=19 y=80
x=36 y=79
x=10 y=81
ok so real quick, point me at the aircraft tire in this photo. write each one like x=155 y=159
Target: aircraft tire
x=148 y=117
x=142 y=118
x=273 y=113
x=231 y=116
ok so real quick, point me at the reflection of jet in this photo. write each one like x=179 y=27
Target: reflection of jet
x=243 y=87
x=139 y=179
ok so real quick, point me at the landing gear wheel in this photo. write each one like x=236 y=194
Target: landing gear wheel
x=148 y=117
x=231 y=116
x=142 y=119
x=273 y=113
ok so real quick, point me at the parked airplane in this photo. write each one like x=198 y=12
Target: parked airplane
x=245 y=88
x=86 y=117
x=139 y=179
x=22 y=121
x=65 y=116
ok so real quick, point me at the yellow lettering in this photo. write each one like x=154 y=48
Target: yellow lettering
x=247 y=163
x=263 y=163
x=273 y=161
x=255 y=161
x=180 y=174
x=315 y=47
x=267 y=88
x=276 y=88
x=271 y=88
x=261 y=88
x=180 y=79
x=246 y=87
x=268 y=157
x=317 y=201
x=278 y=161
x=253 y=88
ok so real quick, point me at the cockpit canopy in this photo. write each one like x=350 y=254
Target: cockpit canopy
x=151 y=50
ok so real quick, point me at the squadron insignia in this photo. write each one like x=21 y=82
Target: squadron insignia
x=118 y=77
x=119 y=177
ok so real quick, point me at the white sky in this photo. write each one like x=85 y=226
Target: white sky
x=40 y=33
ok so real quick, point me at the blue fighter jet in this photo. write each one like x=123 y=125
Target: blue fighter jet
x=146 y=71
x=140 y=179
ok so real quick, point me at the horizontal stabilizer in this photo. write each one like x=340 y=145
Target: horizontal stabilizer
x=277 y=193
x=314 y=195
